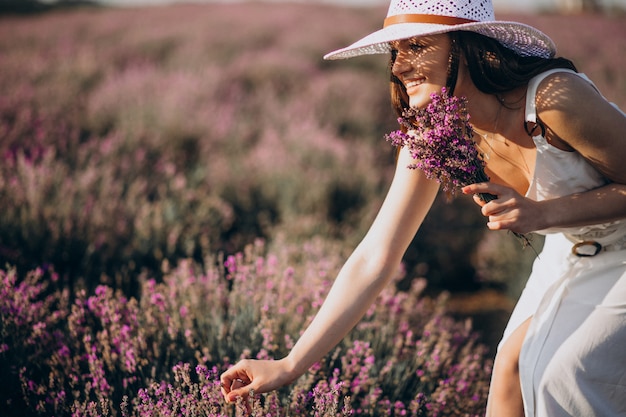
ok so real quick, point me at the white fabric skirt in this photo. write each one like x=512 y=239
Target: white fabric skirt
x=573 y=359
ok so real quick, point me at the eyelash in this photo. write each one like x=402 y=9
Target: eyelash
x=415 y=47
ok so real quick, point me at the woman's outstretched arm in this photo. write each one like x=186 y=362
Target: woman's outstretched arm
x=366 y=272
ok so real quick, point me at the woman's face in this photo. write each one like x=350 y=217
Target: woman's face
x=421 y=64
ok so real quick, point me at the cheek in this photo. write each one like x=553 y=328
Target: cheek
x=435 y=59
x=437 y=70
x=421 y=98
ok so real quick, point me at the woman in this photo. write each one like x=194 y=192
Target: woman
x=554 y=150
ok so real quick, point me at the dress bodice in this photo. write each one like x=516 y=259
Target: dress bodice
x=572 y=358
x=559 y=173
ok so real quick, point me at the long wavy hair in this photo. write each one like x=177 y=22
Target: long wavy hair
x=493 y=68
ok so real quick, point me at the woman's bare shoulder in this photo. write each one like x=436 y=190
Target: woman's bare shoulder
x=575 y=112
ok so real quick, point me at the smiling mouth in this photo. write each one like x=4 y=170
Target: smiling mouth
x=413 y=83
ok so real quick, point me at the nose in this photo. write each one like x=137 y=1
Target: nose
x=401 y=64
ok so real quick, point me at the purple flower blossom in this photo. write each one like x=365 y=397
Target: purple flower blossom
x=111 y=354
x=439 y=138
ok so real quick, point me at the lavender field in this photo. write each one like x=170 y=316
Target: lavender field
x=179 y=186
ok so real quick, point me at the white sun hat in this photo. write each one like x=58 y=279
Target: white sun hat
x=410 y=18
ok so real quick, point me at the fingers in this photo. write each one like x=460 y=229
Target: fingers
x=485 y=192
x=494 y=225
x=479 y=200
x=509 y=211
x=239 y=388
x=235 y=383
x=495 y=208
x=498 y=211
x=484 y=188
x=507 y=215
x=505 y=197
x=259 y=376
x=230 y=384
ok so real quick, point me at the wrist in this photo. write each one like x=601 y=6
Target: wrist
x=549 y=215
x=292 y=369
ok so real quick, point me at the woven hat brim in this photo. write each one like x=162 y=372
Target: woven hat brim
x=523 y=39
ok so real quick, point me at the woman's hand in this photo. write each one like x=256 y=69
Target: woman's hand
x=254 y=375
x=510 y=211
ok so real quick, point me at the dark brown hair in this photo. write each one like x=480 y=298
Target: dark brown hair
x=493 y=68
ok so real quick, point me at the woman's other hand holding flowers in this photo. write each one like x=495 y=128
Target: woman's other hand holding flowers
x=510 y=211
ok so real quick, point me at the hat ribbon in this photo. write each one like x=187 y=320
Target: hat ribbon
x=425 y=18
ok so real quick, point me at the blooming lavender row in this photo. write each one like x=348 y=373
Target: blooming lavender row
x=95 y=354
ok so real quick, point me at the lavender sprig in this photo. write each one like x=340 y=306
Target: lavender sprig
x=439 y=138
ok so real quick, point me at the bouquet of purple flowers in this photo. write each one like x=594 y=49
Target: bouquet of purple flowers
x=439 y=138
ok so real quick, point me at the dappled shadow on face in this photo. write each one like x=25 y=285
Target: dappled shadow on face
x=420 y=60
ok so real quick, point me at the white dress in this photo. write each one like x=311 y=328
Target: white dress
x=573 y=359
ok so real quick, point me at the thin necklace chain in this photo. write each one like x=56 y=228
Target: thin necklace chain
x=490 y=138
x=485 y=136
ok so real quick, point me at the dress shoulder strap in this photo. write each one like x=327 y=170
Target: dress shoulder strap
x=531 y=92
x=531 y=122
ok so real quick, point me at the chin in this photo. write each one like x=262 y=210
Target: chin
x=420 y=100
x=418 y=103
